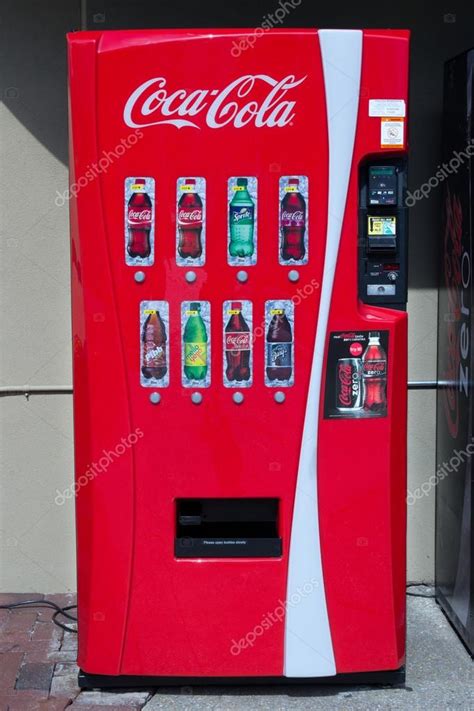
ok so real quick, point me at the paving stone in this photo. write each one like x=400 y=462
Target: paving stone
x=66 y=669
x=65 y=685
x=39 y=651
x=19 y=622
x=62 y=657
x=85 y=707
x=22 y=700
x=119 y=699
x=35 y=675
x=69 y=642
x=9 y=668
x=46 y=631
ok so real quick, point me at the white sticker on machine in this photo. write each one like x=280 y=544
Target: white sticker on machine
x=392 y=132
x=387 y=107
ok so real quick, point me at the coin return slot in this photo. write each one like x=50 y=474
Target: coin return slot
x=227 y=528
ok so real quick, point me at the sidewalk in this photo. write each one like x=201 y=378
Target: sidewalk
x=38 y=673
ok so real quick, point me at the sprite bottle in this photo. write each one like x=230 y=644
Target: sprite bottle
x=241 y=221
x=195 y=344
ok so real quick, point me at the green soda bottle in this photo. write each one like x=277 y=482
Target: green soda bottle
x=195 y=344
x=241 y=221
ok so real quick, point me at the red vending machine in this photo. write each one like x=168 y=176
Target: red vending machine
x=239 y=286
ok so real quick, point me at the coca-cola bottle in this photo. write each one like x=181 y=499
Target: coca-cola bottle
x=279 y=347
x=292 y=222
x=139 y=213
x=374 y=374
x=154 y=347
x=190 y=221
x=237 y=345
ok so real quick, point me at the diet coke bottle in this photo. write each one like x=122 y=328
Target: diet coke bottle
x=190 y=221
x=139 y=214
x=374 y=373
x=292 y=222
x=237 y=345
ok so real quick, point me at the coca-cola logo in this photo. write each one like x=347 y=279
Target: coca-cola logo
x=152 y=104
x=295 y=216
x=139 y=215
x=194 y=215
x=237 y=341
x=372 y=367
x=345 y=384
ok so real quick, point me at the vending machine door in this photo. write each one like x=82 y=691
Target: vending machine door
x=239 y=352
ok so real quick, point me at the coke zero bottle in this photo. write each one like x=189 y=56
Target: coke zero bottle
x=279 y=347
x=292 y=222
x=374 y=373
x=154 y=347
x=190 y=221
x=237 y=345
x=139 y=213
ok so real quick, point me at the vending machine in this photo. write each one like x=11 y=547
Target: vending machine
x=454 y=476
x=239 y=284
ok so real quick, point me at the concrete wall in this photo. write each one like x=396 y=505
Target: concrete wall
x=36 y=535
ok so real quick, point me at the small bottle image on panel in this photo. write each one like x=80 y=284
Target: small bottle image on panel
x=293 y=220
x=196 y=346
x=139 y=221
x=237 y=319
x=242 y=221
x=154 y=348
x=374 y=374
x=190 y=221
x=279 y=356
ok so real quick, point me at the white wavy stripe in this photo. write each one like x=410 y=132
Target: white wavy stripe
x=308 y=645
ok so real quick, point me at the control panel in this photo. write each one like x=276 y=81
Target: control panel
x=383 y=233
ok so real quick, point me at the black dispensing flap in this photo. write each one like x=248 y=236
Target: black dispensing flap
x=236 y=528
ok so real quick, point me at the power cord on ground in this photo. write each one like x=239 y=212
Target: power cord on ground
x=63 y=611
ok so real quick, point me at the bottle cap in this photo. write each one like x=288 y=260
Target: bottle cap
x=190 y=181
x=242 y=182
x=195 y=306
x=236 y=305
x=293 y=181
x=139 y=181
x=374 y=334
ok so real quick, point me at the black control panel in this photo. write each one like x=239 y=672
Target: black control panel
x=383 y=233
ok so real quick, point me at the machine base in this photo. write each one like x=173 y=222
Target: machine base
x=395 y=677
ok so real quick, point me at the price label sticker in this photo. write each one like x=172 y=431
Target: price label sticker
x=191 y=313
x=148 y=312
x=276 y=312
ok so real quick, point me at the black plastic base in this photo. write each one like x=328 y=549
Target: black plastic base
x=395 y=677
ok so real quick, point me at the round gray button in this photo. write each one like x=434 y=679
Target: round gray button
x=155 y=398
x=238 y=398
x=139 y=277
x=392 y=276
x=293 y=275
x=279 y=396
x=196 y=398
x=190 y=277
x=242 y=276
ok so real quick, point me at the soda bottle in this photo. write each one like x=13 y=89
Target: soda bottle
x=190 y=221
x=292 y=222
x=195 y=344
x=237 y=345
x=279 y=347
x=374 y=373
x=154 y=347
x=241 y=221
x=139 y=221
